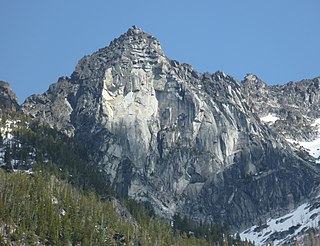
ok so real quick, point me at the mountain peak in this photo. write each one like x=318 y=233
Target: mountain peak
x=133 y=49
x=136 y=39
x=251 y=76
x=252 y=80
x=135 y=30
x=188 y=144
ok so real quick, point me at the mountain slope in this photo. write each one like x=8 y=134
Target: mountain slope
x=186 y=142
x=8 y=99
x=49 y=196
x=294 y=106
x=39 y=209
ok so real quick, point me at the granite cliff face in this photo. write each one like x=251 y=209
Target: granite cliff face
x=187 y=142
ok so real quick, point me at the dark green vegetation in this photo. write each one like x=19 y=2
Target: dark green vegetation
x=46 y=149
x=40 y=208
x=67 y=202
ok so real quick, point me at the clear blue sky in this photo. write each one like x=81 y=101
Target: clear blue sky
x=278 y=40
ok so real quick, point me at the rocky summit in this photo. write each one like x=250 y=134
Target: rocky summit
x=189 y=143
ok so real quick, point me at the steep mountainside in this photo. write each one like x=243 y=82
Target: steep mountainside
x=8 y=99
x=185 y=141
x=295 y=107
x=47 y=179
x=292 y=110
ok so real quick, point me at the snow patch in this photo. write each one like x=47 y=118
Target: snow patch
x=29 y=171
x=269 y=119
x=7 y=129
x=283 y=229
x=316 y=122
x=312 y=147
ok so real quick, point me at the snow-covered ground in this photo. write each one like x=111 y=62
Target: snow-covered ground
x=269 y=119
x=283 y=229
x=316 y=122
x=313 y=147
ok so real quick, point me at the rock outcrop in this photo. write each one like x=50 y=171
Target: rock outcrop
x=296 y=105
x=184 y=141
x=8 y=99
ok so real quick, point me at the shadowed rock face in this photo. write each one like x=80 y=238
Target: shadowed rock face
x=185 y=141
x=8 y=99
